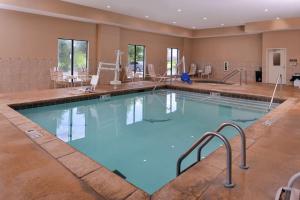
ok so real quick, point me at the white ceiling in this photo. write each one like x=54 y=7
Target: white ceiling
x=218 y=12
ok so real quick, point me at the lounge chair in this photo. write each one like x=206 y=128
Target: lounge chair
x=154 y=76
x=129 y=74
x=207 y=71
x=289 y=192
x=94 y=82
x=193 y=70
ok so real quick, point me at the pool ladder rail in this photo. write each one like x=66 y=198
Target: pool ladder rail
x=279 y=79
x=162 y=78
x=205 y=139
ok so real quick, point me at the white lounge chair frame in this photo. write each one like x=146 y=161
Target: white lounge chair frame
x=154 y=76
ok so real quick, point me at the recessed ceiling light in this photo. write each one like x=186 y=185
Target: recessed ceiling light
x=174 y=22
x=179 y=10
x=108 y=6
x=222 y=24
x=266 y=10
x=204 y=18
x=146 y=16
x=277 y=18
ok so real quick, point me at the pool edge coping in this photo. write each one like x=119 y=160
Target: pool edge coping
x=28 y=124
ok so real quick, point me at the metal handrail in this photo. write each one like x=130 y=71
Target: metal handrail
x=243 y=164
x=228 y=182
x=232 y=74
x=293 y=179
x=160 y=80
x=274 y=91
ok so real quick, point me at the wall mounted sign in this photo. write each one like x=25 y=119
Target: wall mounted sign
x=293 y=62
x=226 y=66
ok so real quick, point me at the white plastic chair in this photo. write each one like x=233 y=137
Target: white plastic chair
x=57 y=78
x=83 y=77
x=193 y=69
x=129 y=74
x=207 y=71
x=94 y=82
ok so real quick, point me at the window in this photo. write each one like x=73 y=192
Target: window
x=71 y=125
x=135 y=110
x=72 y=56
x=136 y=57
x=172 y=61
x=276 y=59
x=171 y=104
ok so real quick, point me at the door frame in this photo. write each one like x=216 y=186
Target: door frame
x=268 y=66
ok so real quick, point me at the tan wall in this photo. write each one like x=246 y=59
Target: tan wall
x=109 y=42
x=282 y=39
x=240 y=51
x=187 y=51
x=30 y=43
x=156 y=46
x=67 y=10
x=219 y=32
x=83 y=13
x=112 y=38
x=273 y=25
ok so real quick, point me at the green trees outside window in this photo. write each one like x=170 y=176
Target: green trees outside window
x=72 y=56
x=64 y=55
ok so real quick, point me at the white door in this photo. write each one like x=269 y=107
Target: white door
x=276 y=65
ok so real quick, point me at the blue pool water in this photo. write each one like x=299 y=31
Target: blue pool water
x=142 y=135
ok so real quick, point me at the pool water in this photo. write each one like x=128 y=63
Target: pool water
x=142 y=135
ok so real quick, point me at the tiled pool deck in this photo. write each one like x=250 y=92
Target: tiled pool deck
x=37 y=165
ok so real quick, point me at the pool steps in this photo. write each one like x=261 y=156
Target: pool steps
x=191 y=94
x=105 y=97
x=221 y=100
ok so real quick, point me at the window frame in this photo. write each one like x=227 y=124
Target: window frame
x=144 y=50
x=171 y=48
x=72 y=53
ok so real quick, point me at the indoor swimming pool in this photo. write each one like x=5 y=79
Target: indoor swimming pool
x=140 y=136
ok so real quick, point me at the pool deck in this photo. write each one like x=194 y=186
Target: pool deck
x=42 y=167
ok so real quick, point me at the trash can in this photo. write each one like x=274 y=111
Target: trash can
x=258 y=76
